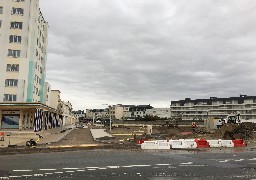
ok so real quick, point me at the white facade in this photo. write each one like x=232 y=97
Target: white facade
x=200 y=109
x=55 y=99
x=68 y=116
x=47 y=95
x=23 y=42
x=97 y=113
x=160 y=112
x=79 y=114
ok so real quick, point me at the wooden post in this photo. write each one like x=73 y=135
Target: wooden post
x=21 y=120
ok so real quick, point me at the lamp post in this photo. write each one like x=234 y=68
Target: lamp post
x=109 y=118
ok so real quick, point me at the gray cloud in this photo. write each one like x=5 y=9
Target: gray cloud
x=150 y=51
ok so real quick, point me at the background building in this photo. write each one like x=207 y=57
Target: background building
x=23 y=42
x=200 y=109
x=159 y=112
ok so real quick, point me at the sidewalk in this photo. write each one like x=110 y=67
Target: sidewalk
x=19 y=138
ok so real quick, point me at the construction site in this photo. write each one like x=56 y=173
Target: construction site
x=137 y=132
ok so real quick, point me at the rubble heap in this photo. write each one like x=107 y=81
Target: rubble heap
x=235 y=131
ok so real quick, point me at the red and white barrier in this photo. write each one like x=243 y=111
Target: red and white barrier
x=159 y=144
x=227 y=143
x=202 y=143
x=239 y=143
x=214 y=143
x=192 y=143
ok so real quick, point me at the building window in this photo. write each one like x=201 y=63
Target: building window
x=17 y=11
x=16 y=25
x=14 y=38
x=12 y=67
x=11 y=82
x=14 y=53
x=1 y=10
x=10 y=97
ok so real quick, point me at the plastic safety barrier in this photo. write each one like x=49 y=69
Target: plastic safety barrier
x=141 y=141
x=227 y=143
x=202 y=143
x=183 y=143
x=239 y=143
x=159 y=144
x=149 y=145
x=191 y=143
x=214 y=143
x=163 y=144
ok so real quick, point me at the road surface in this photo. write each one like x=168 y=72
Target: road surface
x=125 y=164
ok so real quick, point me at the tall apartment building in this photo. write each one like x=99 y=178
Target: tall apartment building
x=200 y=109
x=23 y=49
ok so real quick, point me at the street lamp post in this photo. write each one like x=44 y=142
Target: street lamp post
x=109 y=118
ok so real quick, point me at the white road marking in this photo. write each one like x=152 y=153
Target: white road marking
x=70 y=168
x=91 y=169
x=80 y=170
x=38 y=175
x=224 y=161
x=47 y=169
x=186 y=163
x=127 y=166
x=162 y=164
x=22 y=170
x=239 y=160
x=171 y=167
x=137 y=173
x=113 y=167
x=253 y=159
x=192 y=165
x=28 y=175
x=140 y=165
x=14 y=176
x=70 y=171
x=4 y=178
x=102 y=168
x=58 y=172
x=48 y=173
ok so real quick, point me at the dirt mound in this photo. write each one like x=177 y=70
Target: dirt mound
x=234 y=131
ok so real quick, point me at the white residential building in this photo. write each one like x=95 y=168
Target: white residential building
x=200 y=109
x=68 y=116
x=159 y=112
x=23 y=42
x=97 y=113
x=79 y=114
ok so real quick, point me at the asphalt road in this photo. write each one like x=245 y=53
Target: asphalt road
x=122 y=164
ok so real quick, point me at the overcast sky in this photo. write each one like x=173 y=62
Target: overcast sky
x=150 y=51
